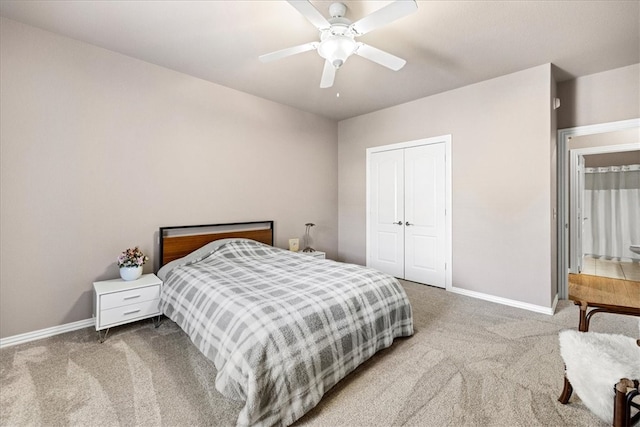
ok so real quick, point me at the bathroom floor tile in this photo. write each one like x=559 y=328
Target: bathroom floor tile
x=611 y=268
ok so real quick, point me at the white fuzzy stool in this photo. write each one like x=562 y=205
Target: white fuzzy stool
x=595 y=363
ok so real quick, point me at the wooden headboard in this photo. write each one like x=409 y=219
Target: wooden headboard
x=178 y=241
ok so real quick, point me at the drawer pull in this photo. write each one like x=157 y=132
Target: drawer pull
x=132 y=297
x=131 y=312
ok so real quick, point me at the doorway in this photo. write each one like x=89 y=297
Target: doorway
x=570 y=210
x=611 y=207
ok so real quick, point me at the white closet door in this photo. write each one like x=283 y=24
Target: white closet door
x=386 y=186
x=425 y=193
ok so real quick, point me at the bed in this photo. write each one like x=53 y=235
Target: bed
x=281 y=327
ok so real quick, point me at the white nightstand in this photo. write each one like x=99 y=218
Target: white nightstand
x=116 y=302
x=316 y=254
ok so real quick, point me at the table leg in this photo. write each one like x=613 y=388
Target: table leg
x=584 y=323
x=567 y=389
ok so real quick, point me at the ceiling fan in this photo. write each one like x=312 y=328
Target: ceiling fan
x=337 y=36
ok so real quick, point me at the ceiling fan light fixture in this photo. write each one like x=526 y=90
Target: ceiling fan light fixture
x=337 y=48
x=337 y=36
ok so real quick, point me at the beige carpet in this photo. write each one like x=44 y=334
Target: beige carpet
x=470 y=363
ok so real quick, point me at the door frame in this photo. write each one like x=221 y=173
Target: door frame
x=576 y=211
x=443 y=139
x=567 y=166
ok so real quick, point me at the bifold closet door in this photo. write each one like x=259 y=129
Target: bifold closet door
x=424 y=199
x=407 y=191
x=386 y=204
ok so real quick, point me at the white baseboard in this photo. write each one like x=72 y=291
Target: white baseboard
x=505 y=301
x=45 y=333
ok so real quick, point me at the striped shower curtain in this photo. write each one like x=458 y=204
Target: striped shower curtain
x=612 y=209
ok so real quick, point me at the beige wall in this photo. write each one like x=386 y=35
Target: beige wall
x=619 y=137
x=98 y=150
x=502 y=192
x=612 y=159
x=600 y=98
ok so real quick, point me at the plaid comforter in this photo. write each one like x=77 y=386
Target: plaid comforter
x=282 y=328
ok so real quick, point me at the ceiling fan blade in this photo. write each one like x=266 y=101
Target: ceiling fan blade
x=328 y=75
x=311 y=13
x=393 y=11
x=279 y=54
x=380 y=57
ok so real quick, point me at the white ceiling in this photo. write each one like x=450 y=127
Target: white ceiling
x=447 y=44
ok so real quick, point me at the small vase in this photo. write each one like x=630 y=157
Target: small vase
x=130 y=273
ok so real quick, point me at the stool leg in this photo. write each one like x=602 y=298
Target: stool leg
x=566 y=392
x=625 y=390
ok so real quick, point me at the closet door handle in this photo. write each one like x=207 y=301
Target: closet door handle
x=398 y=223
x=408 y=224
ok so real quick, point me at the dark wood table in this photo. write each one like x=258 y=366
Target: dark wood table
x=595 y=294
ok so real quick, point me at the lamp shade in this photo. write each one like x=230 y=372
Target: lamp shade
x=337 y=48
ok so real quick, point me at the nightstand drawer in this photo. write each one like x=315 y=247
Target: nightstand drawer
x=133 y=296
x=129 y=312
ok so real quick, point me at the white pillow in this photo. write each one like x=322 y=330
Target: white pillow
x=595 y=363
